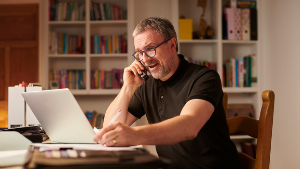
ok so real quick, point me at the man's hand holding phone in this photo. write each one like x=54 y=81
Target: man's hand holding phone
x=132 y=74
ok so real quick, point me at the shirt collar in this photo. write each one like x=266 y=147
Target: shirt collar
x=178 y=73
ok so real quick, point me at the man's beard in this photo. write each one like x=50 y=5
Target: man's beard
x=161 y=72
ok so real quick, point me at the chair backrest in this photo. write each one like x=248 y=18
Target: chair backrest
x=260 y=129
x=225 y=102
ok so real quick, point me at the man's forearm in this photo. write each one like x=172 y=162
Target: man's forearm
x=168 y=132
x=121 y=102
x=180 y=128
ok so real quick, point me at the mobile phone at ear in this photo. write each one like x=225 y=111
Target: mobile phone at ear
x=144 y=75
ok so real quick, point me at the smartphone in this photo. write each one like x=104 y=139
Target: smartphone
x=144 y=75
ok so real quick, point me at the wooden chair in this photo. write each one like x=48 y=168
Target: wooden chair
x=225 y=102
x=260 y=129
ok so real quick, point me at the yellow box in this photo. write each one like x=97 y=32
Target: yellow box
x=185 y=29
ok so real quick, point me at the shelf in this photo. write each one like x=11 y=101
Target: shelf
x=95 y=91
x=239 y=41
x=199 y=41
x=240 y=89
x=104 y=91
x=107 y=22
x=67 y=22
x=66 y=55
x=110 y=55
x=78 y=92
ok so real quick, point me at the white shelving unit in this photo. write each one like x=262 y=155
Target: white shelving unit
x=215 y=49
x=89 y=99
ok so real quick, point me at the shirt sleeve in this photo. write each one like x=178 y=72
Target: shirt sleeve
x=136 y=104
x=207 y=86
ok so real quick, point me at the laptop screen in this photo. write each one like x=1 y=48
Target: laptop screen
x=60 y=115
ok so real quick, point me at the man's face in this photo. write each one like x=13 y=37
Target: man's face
x=160 y=66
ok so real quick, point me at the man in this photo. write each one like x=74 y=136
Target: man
x=182 y=102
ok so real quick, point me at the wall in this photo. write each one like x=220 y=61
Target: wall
x=281 y=46
x=41 y=27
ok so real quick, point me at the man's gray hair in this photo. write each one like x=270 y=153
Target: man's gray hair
x=159 y=25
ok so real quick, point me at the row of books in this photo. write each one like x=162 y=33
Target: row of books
x=107 y=79
x=64 y=43
x=95 y=119
x=66 y=11
x=107 y=11
x=211 y=65
x=240 y=24
x=240 y=72
x=109 y=44
x=72 y=79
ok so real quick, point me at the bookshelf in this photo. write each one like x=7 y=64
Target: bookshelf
x=215 y=50
x=86 y=26
x=218 y=50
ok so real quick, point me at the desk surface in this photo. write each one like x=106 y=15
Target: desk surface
x=138 y=158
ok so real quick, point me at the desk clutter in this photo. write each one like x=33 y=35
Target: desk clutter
x=69 y=157
x=16 y=150
x=33 y=133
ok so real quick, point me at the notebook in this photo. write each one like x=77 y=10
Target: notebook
x=60 y=116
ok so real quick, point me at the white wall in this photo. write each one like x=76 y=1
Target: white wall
x=281 y=45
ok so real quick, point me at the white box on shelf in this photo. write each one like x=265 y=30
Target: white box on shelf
x=16 y=107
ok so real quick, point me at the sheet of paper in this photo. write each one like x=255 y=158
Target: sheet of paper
x=45 y=147
x=12 y=157
x=9 y=153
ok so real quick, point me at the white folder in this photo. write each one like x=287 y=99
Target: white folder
x=31 y=120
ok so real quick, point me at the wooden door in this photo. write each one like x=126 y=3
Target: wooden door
x=18 y=50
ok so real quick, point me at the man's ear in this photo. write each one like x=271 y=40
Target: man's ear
x=173 y=44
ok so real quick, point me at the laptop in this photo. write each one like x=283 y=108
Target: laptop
x=60 y=116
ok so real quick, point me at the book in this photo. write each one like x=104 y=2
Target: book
x=246 y=4
x=224 y=26
x=241 y=72
x=253 y=70
x=237 y=23
x=246 y=24
x=253 y=24
x=229 y=12
x=233 y=65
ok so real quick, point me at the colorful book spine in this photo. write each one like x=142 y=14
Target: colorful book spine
x=66 y=11
x=246 y=24
x=72 y=79
x=107 y=79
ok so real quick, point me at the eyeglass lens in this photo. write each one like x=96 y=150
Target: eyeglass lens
x=150 y=52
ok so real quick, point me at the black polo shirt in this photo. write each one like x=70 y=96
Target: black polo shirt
x=212 y=148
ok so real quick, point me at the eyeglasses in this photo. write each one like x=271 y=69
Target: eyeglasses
x=149 y=51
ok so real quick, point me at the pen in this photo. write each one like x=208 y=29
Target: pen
x=115 y=117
